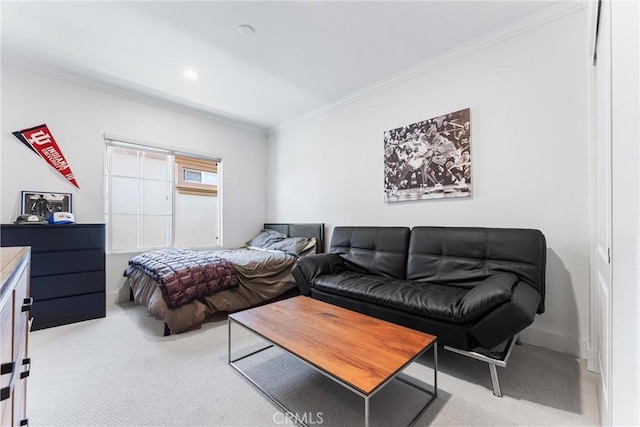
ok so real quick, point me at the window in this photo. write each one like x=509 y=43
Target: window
x=194 y=176
x=158 y=198
x=197 y=176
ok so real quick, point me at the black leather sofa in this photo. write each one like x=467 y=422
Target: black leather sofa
x=474 y=288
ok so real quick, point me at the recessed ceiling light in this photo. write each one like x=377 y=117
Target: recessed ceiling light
x=190 y=74
x=246 y=30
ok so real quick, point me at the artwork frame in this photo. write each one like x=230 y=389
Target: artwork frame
x=430 y=159
x=53 y=202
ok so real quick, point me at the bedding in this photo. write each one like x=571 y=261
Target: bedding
x=184 y=275
x=262 y=271
x=274 y=240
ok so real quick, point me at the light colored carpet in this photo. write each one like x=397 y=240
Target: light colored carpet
x=121 y=371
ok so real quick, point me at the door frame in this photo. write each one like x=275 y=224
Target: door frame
x=624 y=317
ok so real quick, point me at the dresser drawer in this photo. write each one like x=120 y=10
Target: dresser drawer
x=67 y=270
x=65 y=285
x=45 y=238
x=47 y=263
x=62 y=311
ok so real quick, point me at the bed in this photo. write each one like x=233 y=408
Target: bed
x=184 y=287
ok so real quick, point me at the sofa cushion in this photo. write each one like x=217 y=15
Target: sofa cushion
x=374 y=250
x=465 y=256
x=444 y=302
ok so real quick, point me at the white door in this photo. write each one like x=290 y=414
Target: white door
x=602 y=256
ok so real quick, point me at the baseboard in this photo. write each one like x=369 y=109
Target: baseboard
x=592 y=360
x=555 y=341
x=114 y=298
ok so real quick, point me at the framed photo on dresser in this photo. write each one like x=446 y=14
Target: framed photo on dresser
x=44 y=203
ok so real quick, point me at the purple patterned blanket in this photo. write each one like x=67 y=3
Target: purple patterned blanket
x=185 y=275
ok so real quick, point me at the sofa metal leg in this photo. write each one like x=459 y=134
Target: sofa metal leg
x=494 y=380
x=494 y=359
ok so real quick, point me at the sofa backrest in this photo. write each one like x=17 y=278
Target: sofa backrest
x=376 y=250
x=464 y=256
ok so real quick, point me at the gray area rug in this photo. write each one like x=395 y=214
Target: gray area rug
x=314 y=398
x=121 y=371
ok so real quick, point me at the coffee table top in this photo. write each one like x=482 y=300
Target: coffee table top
x=359 y=350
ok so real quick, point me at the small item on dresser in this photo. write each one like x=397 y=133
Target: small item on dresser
x=61 y=218
x=29 y=219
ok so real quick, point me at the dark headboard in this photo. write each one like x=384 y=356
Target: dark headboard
x=301 y=230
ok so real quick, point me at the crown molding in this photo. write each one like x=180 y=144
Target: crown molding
x=550 y=14
x=135 y=95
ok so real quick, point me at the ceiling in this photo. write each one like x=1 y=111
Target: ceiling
x=303 y=55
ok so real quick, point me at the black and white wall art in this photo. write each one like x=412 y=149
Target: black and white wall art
x=43 y=203
x=430 y=159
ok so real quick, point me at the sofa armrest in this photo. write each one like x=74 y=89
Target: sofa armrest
x=486 y=295
x=311 y=266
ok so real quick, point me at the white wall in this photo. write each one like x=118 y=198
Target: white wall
x=78 y=117
x=529 y=126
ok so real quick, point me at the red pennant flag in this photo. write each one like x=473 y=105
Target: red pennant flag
x=40 y=140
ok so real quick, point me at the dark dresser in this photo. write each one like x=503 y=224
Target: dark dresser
x=67 y=270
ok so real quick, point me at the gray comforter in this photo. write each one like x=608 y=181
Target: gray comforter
x=262 y=275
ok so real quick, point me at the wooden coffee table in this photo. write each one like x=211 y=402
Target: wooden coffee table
x=359 y=352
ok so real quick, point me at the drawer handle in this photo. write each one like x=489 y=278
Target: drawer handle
x=27 y=303
x=5 y=393
x=24 y=422
x=7 y=368
x=27 y=362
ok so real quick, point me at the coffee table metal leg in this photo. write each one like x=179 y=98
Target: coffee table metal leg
x=229 y=341
x=232 y=362
x=434 y=394
x=366 y=411
x=435 y=370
